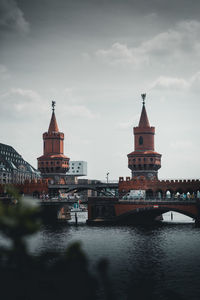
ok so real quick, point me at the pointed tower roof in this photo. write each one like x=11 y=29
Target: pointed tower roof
x=144 y=122
x=53 y=126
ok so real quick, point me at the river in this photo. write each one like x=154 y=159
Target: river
x=162 y=260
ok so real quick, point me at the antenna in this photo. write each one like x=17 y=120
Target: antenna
x=143 y=98
x=53 y=105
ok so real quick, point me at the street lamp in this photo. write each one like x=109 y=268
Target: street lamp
x=107 y=176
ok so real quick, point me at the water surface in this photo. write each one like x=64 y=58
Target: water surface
x=160 y=261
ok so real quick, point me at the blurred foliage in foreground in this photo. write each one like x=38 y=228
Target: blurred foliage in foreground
x=49 y=275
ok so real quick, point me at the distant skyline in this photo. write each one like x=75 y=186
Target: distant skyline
x=95 y=59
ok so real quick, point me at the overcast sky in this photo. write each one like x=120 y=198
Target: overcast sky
x=95 y=58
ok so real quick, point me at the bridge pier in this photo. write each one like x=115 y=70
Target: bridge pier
x=197 y=222
x=197 y=219
x=101 y=210
x=51 y=212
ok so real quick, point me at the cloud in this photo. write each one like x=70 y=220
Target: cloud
x=73 y=104
x=20 y=103
x=128 y=124
x=181 y=144
x=12 y=17
x=85 y=56
x=191 y=84
x=80 y=111
x=163 y=82
x=167 y=45
x=124 y=125
x=71 y=95
x=195 y=82
x=4 y=74
x=121 y=54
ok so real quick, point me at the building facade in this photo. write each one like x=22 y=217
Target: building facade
x=77 y=168
x=13 y=168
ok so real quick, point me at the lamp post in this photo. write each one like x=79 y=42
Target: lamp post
x=107 y=176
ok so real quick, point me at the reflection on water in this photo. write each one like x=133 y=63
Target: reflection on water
x=162 y=261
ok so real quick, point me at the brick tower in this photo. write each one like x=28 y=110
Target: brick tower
x=144 y=161
x=53 y=164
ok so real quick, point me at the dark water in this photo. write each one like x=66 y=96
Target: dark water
x=161 y=261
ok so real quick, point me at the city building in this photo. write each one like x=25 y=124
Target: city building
x=13 y=168
x=53 y=164
x=77 y=168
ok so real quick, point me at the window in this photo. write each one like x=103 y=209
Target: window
x=140 y=140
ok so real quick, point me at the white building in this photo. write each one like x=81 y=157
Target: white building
x=77 y=168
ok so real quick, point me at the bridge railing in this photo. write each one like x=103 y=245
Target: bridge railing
x=159 y=199
x=109 y=181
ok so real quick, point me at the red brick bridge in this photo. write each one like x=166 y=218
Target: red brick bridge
x=102 y=210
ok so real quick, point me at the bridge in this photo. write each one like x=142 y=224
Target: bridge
x=103 y=210
x=110 y=188
x=51 y=209
x=113 y=210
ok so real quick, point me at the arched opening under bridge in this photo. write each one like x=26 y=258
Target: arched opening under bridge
x=151 y=214
x=176 y=217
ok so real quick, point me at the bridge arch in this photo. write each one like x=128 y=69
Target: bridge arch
x=189 y=190
x=159 y=194
x=150 y=213
x=179 y=190
x=169 y=193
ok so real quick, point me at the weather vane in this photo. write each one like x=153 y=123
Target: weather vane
x=53 y=105
x=143 y=98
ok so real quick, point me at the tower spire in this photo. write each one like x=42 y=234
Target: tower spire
x=144 y=121
x=53 y=126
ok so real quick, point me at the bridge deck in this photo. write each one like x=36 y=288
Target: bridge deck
x=78 y=186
